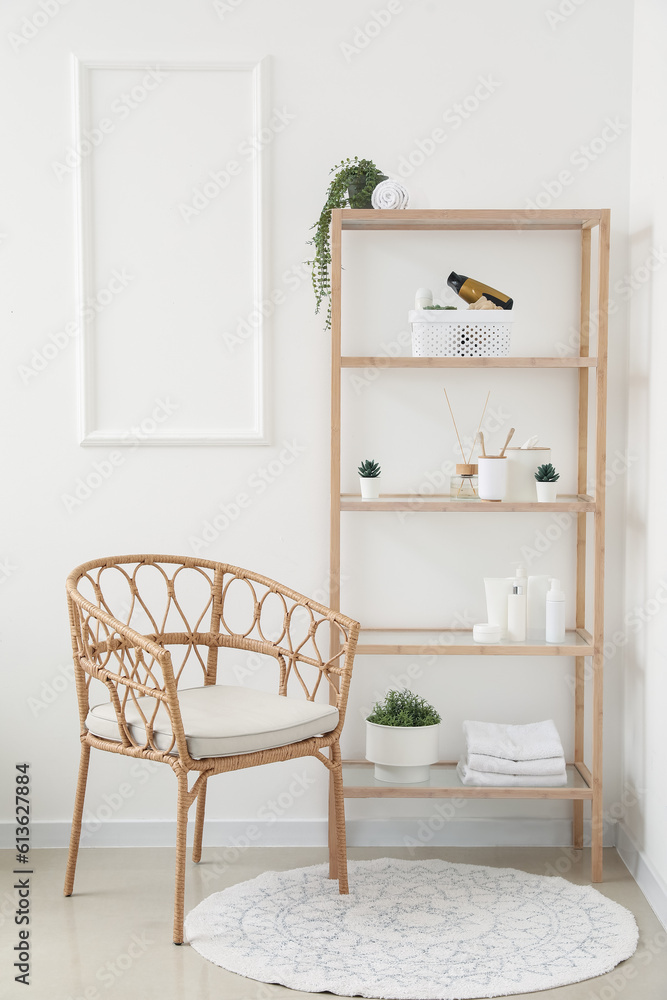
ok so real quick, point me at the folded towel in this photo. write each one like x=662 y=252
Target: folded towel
x=485 y=778
x=535 y=741
x=498 y=765
x=389 y=194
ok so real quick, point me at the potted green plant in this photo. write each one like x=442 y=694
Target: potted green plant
x=546 y=478
x=402 y=737
x=369 y=479
x=352 y=186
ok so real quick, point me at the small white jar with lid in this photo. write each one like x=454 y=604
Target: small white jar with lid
x=486 y=634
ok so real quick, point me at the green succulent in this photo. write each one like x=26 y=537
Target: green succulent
x=403 y=708
x=352 y=186
x=547 y=474
x=439 y=307
x=369 y=469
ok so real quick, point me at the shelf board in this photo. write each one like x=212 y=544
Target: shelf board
x=459 y=642
x=410 y=362
x=440 y=502
x=459 y=218
x=359 y=782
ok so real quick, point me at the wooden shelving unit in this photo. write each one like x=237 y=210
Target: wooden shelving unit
x=584 y=783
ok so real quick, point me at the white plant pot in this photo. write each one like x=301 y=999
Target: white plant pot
x=370 y=487
x=546 y=492
x=402 y=754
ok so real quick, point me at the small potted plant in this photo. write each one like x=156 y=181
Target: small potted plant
x=352 y=185
x=369 y=479
x=546 y=478
x=402 y=737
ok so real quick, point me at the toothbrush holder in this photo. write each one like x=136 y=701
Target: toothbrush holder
x=492 y=477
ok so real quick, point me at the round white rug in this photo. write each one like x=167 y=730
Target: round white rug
x=413 y=930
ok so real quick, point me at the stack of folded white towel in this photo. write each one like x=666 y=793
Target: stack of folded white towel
x=498 y=754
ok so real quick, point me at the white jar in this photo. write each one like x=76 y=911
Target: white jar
x=492 y=481
x=486 y=634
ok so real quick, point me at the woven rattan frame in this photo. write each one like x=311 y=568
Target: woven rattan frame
x=132 y=664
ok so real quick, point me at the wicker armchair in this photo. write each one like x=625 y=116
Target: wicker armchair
x=150 y=628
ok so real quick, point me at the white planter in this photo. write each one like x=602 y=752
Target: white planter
x=402 y=754
x=370 y=487
x=546 y=492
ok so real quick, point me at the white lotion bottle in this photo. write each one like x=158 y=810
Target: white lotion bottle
x=555 y=613
x=516 y=612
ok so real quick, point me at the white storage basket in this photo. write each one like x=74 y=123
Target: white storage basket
x=465 y=333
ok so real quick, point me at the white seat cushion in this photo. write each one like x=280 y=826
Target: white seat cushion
x=221 y=720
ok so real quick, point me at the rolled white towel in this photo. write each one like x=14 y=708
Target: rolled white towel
x=496 y=739
x=484 y=778
x=389 y=194
x=499 y=765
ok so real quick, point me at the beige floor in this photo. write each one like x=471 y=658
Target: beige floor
x=112 y=939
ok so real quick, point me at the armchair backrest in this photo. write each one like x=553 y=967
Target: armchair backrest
x=140 y=623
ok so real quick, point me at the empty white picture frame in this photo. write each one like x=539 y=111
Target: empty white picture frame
x=171 y=181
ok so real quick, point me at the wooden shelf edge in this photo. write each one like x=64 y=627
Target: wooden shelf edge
x=441 y=503
x=463 y=791
x=483 y=218
x=370 y=361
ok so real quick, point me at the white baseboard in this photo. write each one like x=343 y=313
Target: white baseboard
x=506 y=832
x=643 y=872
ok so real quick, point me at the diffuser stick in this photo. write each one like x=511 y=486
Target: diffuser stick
x=481 y=438
x=480 y=427
x=455 y=427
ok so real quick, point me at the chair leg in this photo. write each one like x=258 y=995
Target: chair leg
x=339 y=812
x=75 y=833
x=199 y=823
x=181 y=846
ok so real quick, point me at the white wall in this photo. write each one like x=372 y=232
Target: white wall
x=552 y=82
x=644 y=803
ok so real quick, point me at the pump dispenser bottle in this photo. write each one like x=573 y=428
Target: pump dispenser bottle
x=516 y=610
x=555 y=613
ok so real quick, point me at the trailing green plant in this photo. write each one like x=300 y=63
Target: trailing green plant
x=403 y=708
x=547 y=474
x=439 y=307
x=364 y=176
x=369 y=469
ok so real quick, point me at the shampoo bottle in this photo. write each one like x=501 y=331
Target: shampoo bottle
x=555 y=631
x=516 y=611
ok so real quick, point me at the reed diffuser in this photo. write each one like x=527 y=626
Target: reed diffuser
x=464 y=483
